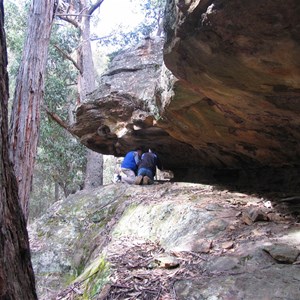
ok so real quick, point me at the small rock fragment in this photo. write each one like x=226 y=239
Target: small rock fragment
x=283 y=253
x=228 y=245
x=202 y=246
x=167 y=261
x=254 y=215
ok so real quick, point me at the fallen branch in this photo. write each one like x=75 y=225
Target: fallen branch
x=67 y=56
x=58 y=120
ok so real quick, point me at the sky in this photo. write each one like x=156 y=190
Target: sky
x=115 y=12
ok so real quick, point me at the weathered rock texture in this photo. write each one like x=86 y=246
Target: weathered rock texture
x=122 y=113
x=239 y=72
x=232 y=111
x=217 y=255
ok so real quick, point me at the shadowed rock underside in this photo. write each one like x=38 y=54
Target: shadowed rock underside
x=228 y=112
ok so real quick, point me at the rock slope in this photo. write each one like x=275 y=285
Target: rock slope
x=168 y=241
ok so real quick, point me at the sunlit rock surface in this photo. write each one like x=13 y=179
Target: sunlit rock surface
x=230 y=111
x=218 y=255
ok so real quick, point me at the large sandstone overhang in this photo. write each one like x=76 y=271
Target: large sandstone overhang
x=123 y=113
x=231 y=107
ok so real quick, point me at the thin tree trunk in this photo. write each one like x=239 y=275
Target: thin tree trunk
x=25 y=120
x=16 y=274
x=56 y=191
x=94 y=170
x=87 y=84
x=86 y=77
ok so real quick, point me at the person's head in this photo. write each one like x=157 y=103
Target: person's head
x=139 y=150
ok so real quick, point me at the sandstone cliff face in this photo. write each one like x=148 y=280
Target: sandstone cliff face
x=229 y=111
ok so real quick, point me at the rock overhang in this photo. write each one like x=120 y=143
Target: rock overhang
x=233 y=105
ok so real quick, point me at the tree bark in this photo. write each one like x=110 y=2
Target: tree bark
x=87 y=84
x=94 y=170
x=56 y=191
x=86 y=78
x=25 y=120
x=16 y=274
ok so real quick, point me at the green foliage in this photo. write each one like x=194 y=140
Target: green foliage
x=60 y=86
x=15 y=27
x=66 y=37
x=43 y=193
x=61 y=156
x=153 y=11
x=60 y=159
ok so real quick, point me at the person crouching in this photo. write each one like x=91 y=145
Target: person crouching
x=147 y=168
x=129 y=166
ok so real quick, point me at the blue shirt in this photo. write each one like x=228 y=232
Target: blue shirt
x=131 y=161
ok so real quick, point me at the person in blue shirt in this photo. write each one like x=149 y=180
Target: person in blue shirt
x=147 y=168
x=129 y=166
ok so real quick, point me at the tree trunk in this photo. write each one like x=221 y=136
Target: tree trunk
x=87 y=84
x=25 y=120
x=86 y=76
x=56 y=191
x=94 y=170
x=16 y=274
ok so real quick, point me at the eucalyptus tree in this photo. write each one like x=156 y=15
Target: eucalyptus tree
x=61 y=159
x=16 y=274
x=29 y=91
x=78 y=13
